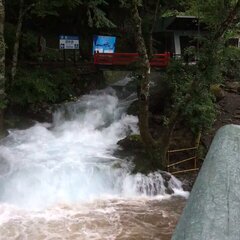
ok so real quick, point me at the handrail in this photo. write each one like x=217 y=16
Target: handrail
x=184 y=171
x=182 y=161
x=182 y=150
x=158 y=60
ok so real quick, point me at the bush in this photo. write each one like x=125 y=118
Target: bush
x=231 y=63
x=198 y=112
x=28 y=43
x=10 y=32
x=29 y=46
x=40 y=86
x=52 y=55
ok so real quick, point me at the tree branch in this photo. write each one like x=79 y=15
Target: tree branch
x=25 y=11
x=232 y=19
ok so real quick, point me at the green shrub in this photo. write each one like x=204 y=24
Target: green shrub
x=231 y=63
x=9 y=35
x=189 y=95
x=40 y=86
x=52 y=55
x=29 y=46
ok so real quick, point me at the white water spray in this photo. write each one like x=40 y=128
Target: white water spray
x=71 y=161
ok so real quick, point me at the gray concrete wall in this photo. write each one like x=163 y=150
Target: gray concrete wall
x=213 y=208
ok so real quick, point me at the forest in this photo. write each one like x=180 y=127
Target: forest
x=35 y=73
x=119 y=119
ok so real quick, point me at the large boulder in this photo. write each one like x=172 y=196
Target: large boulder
x=213 y=209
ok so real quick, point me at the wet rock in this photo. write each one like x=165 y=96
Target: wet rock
x=218 y=91
x=131 y=143
x=169 y=190
x=232 y=87
x=166 y=176
x=155 y=183
x=42 y=113
x=188 y=180
x=133 y=109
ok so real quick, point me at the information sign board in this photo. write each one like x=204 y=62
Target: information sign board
x=68 y=42
x=104 y=44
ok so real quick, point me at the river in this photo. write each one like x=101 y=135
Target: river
x=61 y=180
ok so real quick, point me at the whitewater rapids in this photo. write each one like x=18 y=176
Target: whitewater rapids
x=62 y=181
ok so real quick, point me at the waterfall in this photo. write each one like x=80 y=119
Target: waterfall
x=71 y=161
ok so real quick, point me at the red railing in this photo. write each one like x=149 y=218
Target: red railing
x=122 y=59
x=160 y=60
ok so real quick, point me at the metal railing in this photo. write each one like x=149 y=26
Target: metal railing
x=123 y=59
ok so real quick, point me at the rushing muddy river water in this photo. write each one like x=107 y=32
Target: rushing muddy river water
x=133 y=219
x=62 y=180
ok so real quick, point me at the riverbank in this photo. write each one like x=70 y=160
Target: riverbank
x=228 y=112
x=227 y=105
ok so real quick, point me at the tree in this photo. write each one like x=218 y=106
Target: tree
x=190 y=97
x=152 y=11
x=144 y=82
x=25 y=7
x=42 y=8
x=2 y=63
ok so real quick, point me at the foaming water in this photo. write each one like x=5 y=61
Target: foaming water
x=64 y=177
x=137 y=218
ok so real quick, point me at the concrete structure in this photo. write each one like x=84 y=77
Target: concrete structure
x=175 y=33
x=213 y=208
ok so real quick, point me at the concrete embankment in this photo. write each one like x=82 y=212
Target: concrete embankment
x=213 y=208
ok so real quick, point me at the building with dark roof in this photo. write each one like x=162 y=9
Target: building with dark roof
x=175 y=33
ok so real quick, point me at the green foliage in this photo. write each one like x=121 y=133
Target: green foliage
x=9 y=35
x=96 y=16
x=219 y=16
x=39 y=86
x=135 y=138
x=45 y=8
x=29 y=46
x=130 y=3
x=177 y=82
x=51 y=55
x=189 y=96
x=200 y=112
x=231 y=63
x=3 y=104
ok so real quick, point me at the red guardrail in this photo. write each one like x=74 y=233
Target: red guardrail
x=122 y=59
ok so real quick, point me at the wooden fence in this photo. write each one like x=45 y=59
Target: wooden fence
x=123 y=59
x=171 y=167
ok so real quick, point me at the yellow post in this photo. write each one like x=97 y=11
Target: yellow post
x=168 y=161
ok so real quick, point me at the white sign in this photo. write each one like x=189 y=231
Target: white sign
x=68 y=42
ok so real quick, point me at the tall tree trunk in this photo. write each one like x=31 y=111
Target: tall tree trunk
x=163 y=147
x=17 y=40
x=150 y=34
x=2 y=63
x=157 y=149
x=144 y=76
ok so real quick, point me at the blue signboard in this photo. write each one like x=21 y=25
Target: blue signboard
x=68 y=42
x=104 y=44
